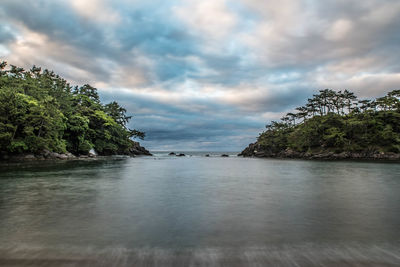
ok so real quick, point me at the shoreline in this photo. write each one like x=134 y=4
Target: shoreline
x=29 y=159
x=256 y=151
x=46 y=155
x=64 y=157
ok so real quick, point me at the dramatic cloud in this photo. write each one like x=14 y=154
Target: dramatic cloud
x=208 y=74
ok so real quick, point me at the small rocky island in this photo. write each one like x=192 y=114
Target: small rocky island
x=334 y=125
x=43 y=117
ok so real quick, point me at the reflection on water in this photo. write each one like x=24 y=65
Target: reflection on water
x=200 y=210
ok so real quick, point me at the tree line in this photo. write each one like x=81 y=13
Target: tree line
x=338 y=121
x=39 y=111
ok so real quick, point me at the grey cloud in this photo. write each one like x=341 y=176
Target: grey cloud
x=165 y=123
x=6 y=35
x=281 y=54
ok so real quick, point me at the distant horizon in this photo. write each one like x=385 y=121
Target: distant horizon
x=202 y=151
x=207 y=75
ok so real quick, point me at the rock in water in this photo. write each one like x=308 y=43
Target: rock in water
x=250 y=150
x=136 y=149
x=29 y=156
x=62 y=156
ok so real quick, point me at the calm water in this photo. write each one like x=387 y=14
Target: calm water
x=199 y=211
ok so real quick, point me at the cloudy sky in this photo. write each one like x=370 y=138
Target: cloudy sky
x=207 y=74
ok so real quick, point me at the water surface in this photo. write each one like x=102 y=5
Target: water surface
x=201 y=210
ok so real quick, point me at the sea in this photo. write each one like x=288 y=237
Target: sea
x=199 y=210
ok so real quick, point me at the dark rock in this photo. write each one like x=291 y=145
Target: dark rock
x=224 y=155
x=207 y=155
x=343 y=155
x=392 y=156
x=181 y=155
x=63 y=156
x=136 y=149
x=53 y=155
x=70 y=155
x=380 y=155
x=256 y=150
x=260 y=154
x=290 y=153
x=250 y=150
x=45 y=153
x=172 y=154
x=29 y=156
x=360 y=155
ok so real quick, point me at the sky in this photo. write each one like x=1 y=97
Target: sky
x=207 y=74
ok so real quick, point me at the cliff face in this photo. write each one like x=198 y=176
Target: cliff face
x=256 y=150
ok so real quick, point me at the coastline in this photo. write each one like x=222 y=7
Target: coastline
x=46 y=155
x=255 y=150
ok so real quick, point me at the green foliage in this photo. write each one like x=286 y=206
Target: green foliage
x=39 y=110
x=338 y=122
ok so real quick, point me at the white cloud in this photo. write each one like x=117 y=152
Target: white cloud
x=339 y=30
x=209 y=20
x=96 y=10
x=209 y=17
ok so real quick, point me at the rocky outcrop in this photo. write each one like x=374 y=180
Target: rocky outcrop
x=137 y=150
x=256 y=150
x=42 y=155
x=46 y=154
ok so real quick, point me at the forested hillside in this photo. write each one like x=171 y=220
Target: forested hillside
x=334 y=125
x=40 y=111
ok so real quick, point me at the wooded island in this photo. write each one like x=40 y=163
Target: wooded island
x=42 y=115
x=335 y=125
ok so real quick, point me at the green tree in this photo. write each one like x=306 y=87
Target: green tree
x=40 y=110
